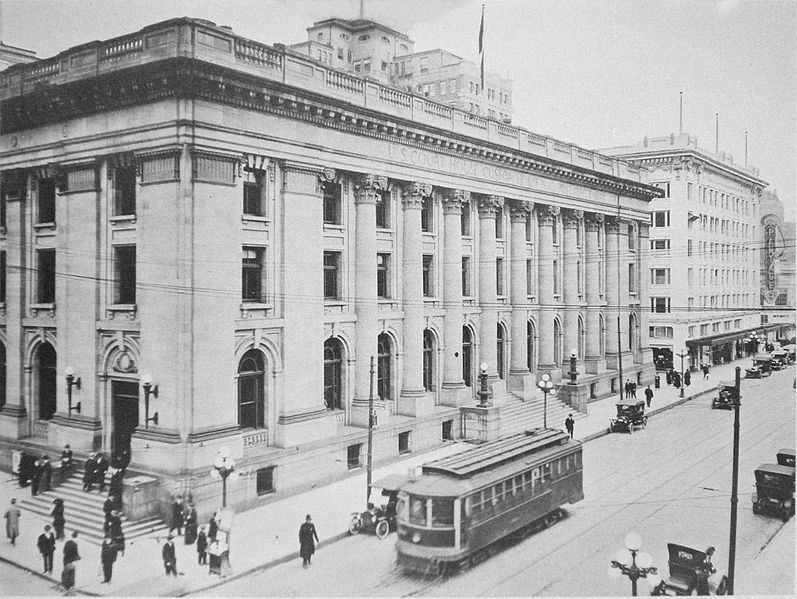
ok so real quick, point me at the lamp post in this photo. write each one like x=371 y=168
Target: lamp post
x=223 y=466
x=683 y=353
x=752 y=344
x=149 y=389
x=573 y=372
x=634 y=564
x=546 y=386
x=71 y=379
x=484 y=388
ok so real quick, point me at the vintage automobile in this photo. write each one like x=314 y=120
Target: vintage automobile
x=761 y=367
x=786 y=457
x=774 y=485
x=791 y=352
x=691 y=573
x=726 y=393
x=630 y=414
x=382 y=519
x=780 y=359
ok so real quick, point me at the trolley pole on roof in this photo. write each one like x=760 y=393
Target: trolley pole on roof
x=735 y=484
x=370 y=432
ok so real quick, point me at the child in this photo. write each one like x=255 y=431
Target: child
x=202 y=546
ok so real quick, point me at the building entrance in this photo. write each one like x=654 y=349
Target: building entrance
x=124 y=398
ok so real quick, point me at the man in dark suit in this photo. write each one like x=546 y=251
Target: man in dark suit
x=66 y=462
x=169 y=557
x=36 y=478
x=46 y=474
x=107 y=557
x=177 y=515
x=46 y=545
x=100 y=468
x=88 y=472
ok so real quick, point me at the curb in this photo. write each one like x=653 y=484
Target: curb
x=38 y=574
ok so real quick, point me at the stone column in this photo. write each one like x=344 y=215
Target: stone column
x=519 y=380
x=612 y=292
x=546 y=219
x=454 y=391
x=366 y=190
x=646 y=353
x=488 y=296
x=625 y=260
x=594 y=361
x=413 y=400
x=571 y=219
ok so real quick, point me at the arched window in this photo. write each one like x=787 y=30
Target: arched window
x=601 y=335
x=251 y=390
x=333 y=371
x=383 y=367
x=47 y=381
x=500 y=336
x=467 y=356
x=581 y=339
x=631 y=332
x=557 y=342
x=2 y=375
x=428 y=360
x=530 y=345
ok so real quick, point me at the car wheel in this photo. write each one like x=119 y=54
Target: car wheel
x=382 y=529
x=354 y=526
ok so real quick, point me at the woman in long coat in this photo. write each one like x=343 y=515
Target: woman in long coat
x=190 y=525
x=307 y=534
x=58 y=518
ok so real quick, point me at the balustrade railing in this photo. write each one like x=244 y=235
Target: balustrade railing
x=260 y=54
x=475 y=121
x=438 y=110
x=40 y=428
x=121 y=49
x=255 y=439
x=392 y=96
x=344 y=82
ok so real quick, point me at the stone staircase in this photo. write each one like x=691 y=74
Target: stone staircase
x=518 y=415
x=83 y=512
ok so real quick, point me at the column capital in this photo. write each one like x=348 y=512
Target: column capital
x=413 y=193
x=571 y=218
x=489 y=205
x=593 y=221
x=519 y=210
x=366 y=188
x=613 y=225
x=546 y=214
x=453 y=200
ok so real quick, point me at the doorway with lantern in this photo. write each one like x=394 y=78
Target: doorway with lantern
x=124 y=414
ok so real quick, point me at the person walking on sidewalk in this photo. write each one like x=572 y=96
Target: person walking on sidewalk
x=108 y=553
x=58 y=518
x=177 y=515
x=12 y=522
x=648 y=395
x=705 y=371
x=71 y=557
x=569 y=425
x=202 y=547
x=687 y=378
x=657 y=381
x=190 y=524
x=306 y=544
x=213 y=528
x=46 y=545
x=169 y=557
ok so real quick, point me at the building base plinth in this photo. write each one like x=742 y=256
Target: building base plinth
x=521 y=384
x=576 y=395
x=13 y=422
x=415 y=404
x=81 y=432
x=358 y=415
x=594 y=365
x=455 y=395
x=304 y=428
x=481 y=424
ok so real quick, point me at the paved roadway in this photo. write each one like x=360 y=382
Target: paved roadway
x=670 y=483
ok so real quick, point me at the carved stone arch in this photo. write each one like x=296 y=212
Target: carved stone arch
x=121 y=357
x=395 y=338
x=265 y=345
x=35 y=340
x=345 y=340
x=438 y=335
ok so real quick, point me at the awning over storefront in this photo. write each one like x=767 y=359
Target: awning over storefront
x=723 y=338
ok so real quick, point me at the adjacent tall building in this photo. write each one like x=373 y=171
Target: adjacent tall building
x=226 y=234
x=777 y=267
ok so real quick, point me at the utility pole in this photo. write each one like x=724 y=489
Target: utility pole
x=735 y=484
x=370 y=432
x=681 y=114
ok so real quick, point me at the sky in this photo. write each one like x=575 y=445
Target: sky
x=597 y=73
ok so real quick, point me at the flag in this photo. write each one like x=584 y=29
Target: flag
x=481 y=48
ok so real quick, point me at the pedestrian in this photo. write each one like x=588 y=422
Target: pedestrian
x=648 y=395
x=107 y=508
x=190 y=523
x=169 y=557
x=213 y=528
x=687 y=378
x=668 y=377
x=705 y=372
x=121 y=458
x=71 y=557
x=633 y=390
x=36 y=478
x=115 y=530
x=58 y=518
x=46 y=474
x=46 y=545
x=88 y=472
x=676 y=380
x=66 y=462
x=569 y=425
x=306 y=545
x=177 y=515
x=116 y=485
x=657 y=381
x=100 y=468
x=202 y=547
x=627 y=388
x=704 y=572
x=108 y=553
x=12 y=522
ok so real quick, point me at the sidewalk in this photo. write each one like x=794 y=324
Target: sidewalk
x=268 y=535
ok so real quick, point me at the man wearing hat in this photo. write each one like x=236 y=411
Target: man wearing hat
x=12 y=521
x=169 y=557
x=107 y=557
x=88 y=472
x=115 y=530
x=58 y=517
x=46 y=545
x=101 y=466
x=66 y=462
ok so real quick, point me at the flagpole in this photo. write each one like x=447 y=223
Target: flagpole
x=681 y=115
x=481 y=49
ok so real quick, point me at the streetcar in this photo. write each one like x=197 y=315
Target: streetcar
x=456 y=511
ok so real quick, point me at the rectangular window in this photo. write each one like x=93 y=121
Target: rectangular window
x=660 y=244
x=265 y=480
x=124 y=191
x=353 y=455
x=443 y=87
x=660 y=219
x=556 y=276
x=530 y=277
x=660 y=304
x=2 y=277
x=428 y=287
x=383 y=210
x=499 y=276
x=252 y=274
x=689 y=248
x=404 y=442
x=465 y=220
x=124 y=262
x=660 y=276
x=331 y=275
x=427 y=215
x=690 y=276
x=579 y=278
x=383 y=275
x=664 y=186
x=631 y=237
x=448 y=430
x=45 y=277
x=332 y=204
x=424 y=64
x=466 y=276
x=252 y=203
x=632 y=278
x=499 y=223
x=46 y=201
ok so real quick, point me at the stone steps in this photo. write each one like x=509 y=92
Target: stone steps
x=518 y=415
x=83 y=512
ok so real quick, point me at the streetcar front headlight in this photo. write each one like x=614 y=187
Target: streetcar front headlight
x=416 y=537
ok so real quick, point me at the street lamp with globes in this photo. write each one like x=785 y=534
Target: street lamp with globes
x=634 y=564
x=546 y=385
x=223 y=467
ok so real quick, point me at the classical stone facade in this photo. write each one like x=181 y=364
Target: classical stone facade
x=249 y=229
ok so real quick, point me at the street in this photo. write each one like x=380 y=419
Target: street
x=669 y=483
x=16 y=582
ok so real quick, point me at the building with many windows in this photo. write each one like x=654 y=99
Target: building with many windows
x=227 y=233
x=703 y=247
x=777 y=266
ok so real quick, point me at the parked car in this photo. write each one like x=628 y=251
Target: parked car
x=379 y=519
x=786 y=457
x=761 y=367
x=725 y=396
x=691 y=573
x=774 y=485
x=630 y=414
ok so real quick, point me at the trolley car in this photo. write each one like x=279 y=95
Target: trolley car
x=459 y=507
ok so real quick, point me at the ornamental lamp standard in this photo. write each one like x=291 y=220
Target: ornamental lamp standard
x=149 y=389
x=682 y=355
x=71 y=379
x=546 y=386
x=223 y=467
x=634 y=564
x=752 y=342
x=573 y=371
x=484 y=389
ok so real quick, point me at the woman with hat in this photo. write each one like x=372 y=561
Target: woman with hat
x=115 y=530
x=58 y=518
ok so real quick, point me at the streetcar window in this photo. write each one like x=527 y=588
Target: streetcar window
x=417 y=511
x=518 y=483
x=527 y=479
x=442 y=512
x=546 y=473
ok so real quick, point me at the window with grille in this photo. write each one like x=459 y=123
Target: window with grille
x=353 y=453
x=427 y=215
x=428 y=287
x=383 y=275
x=404 y=442
x=465 y=220
x=383 y=210
x=265 y=480
x=252 y=275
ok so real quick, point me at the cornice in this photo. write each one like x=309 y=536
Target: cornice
x=190 y=78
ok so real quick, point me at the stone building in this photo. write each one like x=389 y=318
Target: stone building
x=703 y=268
x=241 y=229
x=777 y=267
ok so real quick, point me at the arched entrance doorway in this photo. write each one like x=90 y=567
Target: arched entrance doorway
x=333 y=374
x=251 y=390
x=467 y=356
x=47 y=381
